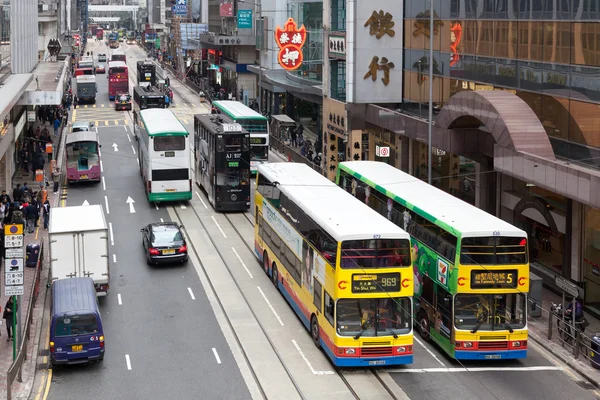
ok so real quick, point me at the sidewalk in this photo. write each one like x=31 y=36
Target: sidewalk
x=22 y=390
x=538 y=331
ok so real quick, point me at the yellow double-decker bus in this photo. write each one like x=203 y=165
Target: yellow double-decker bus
x=345 y=269
x=471 y=268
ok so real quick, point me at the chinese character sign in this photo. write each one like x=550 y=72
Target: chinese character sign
x=290 y=41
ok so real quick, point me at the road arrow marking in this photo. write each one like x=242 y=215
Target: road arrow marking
x=115 y=147
x=85 y=203
x=130 y=201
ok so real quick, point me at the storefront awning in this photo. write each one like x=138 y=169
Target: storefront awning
x=12 y=89
x=48 y=84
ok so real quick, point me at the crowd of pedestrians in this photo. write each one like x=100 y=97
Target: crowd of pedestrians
x=25 y=207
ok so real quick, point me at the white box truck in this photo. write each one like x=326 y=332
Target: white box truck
x=79 y=245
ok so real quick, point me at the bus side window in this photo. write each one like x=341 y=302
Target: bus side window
x=329 y=308
x=427 y=293
x=317 y=293
x=444 y=305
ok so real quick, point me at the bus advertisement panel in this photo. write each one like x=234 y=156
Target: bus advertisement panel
x=118 y=79
x=146 y=72
x=164 y=151
x=222 y=162
x=253 y=122
x=472 y=269
x=345 y=269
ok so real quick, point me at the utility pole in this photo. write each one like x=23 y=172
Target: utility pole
x=430 y=124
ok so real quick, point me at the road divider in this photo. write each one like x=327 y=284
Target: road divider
x=218 y=226
x=114 y=258
x=103 y=184
x=106 y=203
x=119 y=299
x=129 y=137
x=242 y=262
x=270 y=306
x=128 y=361
x=112 y=237
x=202 y=201
x=101 y=167
x=216 y=355
x=133 y=148
x=191 y=293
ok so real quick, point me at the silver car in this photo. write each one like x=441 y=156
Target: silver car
x=81 y=126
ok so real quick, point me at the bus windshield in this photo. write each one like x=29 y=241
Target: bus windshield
x=493 y=250
x=489 y=312
x=375 y=253
x=233 y=177
x=373 y=317
x=258 y=152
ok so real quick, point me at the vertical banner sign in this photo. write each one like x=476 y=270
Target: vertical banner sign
x=180 y=7
x=244 y=18
x=13 y=263
x=290 y=41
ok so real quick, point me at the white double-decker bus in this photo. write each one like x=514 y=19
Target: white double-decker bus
x=164 y=152
x=257 y=125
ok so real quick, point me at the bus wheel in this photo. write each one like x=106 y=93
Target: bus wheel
x=266 y=262
x=275 y=275
x=314 y=331
x=424 y=326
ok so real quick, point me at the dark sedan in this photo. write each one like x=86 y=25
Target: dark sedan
x=164 y=243
x=123 y=101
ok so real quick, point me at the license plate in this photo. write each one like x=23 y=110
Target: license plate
x=168 y=251
x=170 y=190
x=83 y=177
x=378 y=362
x=493 y=357
x=77 y=348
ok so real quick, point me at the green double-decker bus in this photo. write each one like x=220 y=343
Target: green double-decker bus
x=164 y=155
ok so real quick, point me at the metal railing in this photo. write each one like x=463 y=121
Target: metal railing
x=570 y=336
x=16 y=368
x=291 y=154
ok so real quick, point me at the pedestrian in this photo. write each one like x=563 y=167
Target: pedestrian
x=31 y=215
x=25 y=160
x=167 y=101
x=46 y=214
x=8 y=315
x=294 y=138
x=56 y=126
x=56 y=179
x=75 y=102
x=38 y=206
x=5 y=196
x=17 y=192
x=26 y=191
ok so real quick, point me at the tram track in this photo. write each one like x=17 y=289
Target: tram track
x=230 y=324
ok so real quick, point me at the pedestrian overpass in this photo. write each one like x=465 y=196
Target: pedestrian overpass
x=103 y=8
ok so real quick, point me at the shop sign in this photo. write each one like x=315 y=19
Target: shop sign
x=337 y=45
x=30 y=116
x=382 y=151
x=180 y=7
x=334 y=127
x=226 y=9
x=290 y=40
x=244 y=19
x=379 y=52
x=19 y=127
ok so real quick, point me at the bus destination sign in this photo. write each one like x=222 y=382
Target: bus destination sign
x=258 y=140
x=497 y=279
x=374 y=283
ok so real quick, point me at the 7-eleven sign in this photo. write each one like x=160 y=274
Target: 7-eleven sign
x=442 y=275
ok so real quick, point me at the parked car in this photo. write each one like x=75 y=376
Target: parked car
x=122 y=101
x=164 y=243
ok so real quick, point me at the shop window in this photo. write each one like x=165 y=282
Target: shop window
x=585 y=49
x=338 y=15
x=505 y=39
x=557 y=42
x=485 y=38
x=531 y=40
x=338 y=80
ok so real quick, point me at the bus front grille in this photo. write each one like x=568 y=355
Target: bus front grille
x=376 y=343
x=499 y=337
x=377 y=351
x=493 y=345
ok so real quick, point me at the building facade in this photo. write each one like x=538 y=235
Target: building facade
x=515 y=127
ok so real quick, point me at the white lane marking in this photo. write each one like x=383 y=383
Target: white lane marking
x=310 y=367
x=162 y=220
x=243 y=264
x=200 y=198
x=103 y=184
x=128 y=361
x=114 y=258
x=101 y=167
x=119 y=299
x=112 y=238
x=430 y=352
x=133 y=148
x=479 y=369
x=191 y=293
x=137 y=160
x=216 y=355
x=106 y=202
x=156 y=205
x=99 y=151
x=218 y=226
x=125 y=127
x=270 y=306
x=183 y=207
x=129 y=137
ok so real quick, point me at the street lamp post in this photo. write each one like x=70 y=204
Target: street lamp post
x=429 y=146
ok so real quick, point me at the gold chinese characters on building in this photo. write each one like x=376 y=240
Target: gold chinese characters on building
x=380 y=24
x=384 y=66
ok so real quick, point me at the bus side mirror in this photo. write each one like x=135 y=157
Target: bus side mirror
x=100 y=145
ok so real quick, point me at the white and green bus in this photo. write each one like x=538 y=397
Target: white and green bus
x=257 y=125
x=164 y=155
